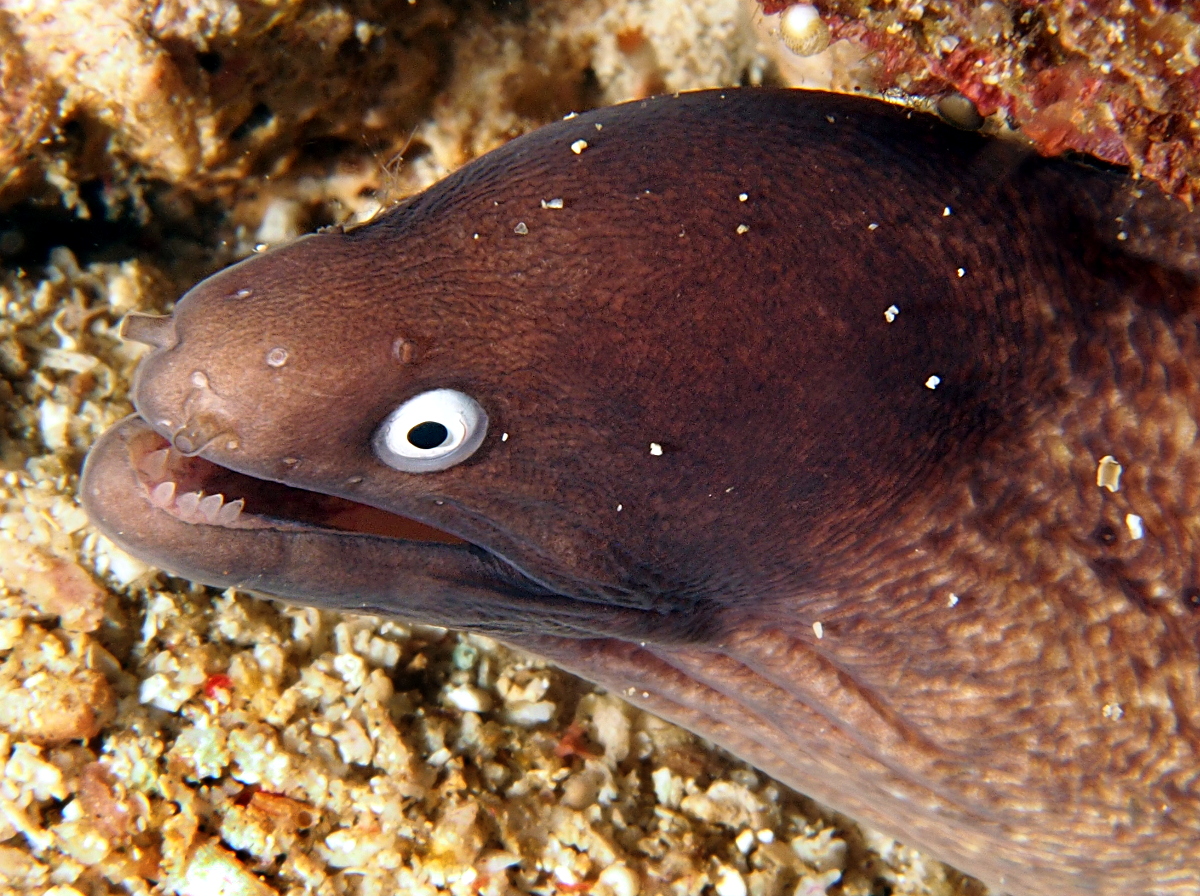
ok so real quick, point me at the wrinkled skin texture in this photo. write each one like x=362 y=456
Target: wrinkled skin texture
x=1005 y=667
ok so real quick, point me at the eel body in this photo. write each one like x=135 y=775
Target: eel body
x=863 y=446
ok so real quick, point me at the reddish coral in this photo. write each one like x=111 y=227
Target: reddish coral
x=1118 y=80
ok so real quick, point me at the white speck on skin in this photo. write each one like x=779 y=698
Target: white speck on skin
x=818 y=630
x=1112 y=711
x=552 y=203
x=872 y=226
x=743 y=228
x=578 y=146
x=277 y=357
x=946 y=212
x=521 y=229
x=1133 y=522
x=1122 y=236
x=891 y=313
x=962 y=272
x=570 y=115
x=655 y=449
x=620 y=507
x=1108 y=473
x=503 y=437
x=743 y=197
x=952 y=600
x=933 y=382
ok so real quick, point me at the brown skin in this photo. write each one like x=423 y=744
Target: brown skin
x=1004 y=674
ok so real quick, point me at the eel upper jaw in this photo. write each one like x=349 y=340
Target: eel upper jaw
x=205 y=523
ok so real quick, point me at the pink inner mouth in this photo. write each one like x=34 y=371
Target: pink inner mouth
x=198 y=492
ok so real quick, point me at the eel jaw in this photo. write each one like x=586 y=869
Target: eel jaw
x=326 y=551
x=203 y=522
x=193 y=490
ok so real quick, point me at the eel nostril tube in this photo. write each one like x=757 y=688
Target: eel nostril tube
x=157 y=331
x=197 y=434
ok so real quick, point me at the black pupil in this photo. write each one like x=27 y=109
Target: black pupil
x=429 y=434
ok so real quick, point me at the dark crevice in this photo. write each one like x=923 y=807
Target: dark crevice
x=260 y=115
x=209 y=61
x=106 y=229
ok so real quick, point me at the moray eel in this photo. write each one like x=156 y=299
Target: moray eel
x=862 y=446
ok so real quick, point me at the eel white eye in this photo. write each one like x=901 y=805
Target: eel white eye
x=431 y=431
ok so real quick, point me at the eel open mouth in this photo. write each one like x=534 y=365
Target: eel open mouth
x=202 y=521
x=199 y=492
x=195 y=519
